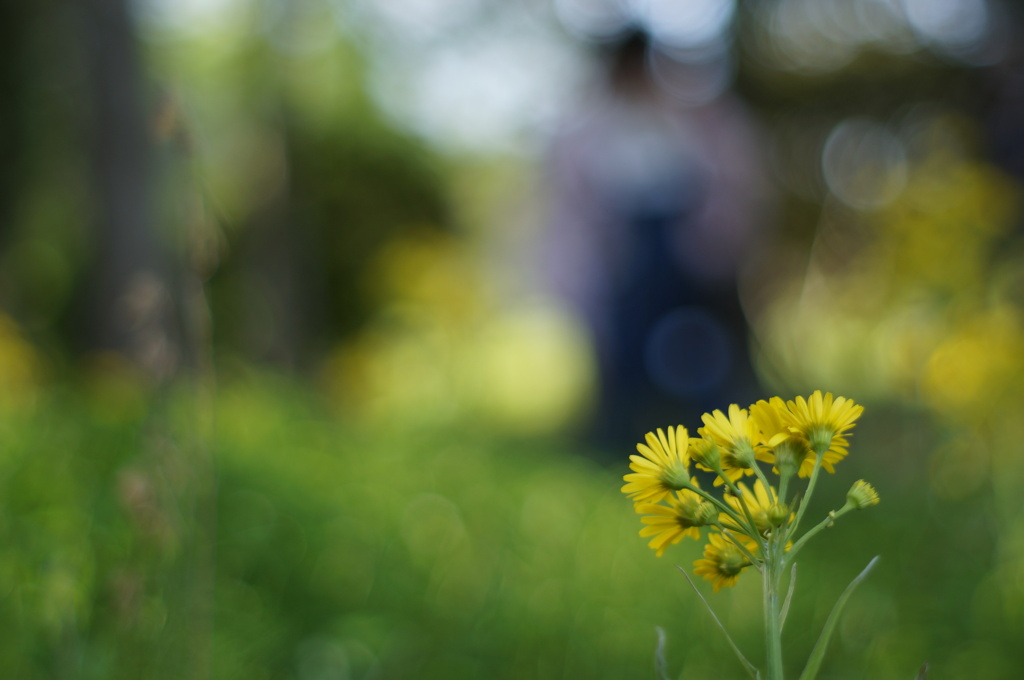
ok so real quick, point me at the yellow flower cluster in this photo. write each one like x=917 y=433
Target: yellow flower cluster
x=797 y=438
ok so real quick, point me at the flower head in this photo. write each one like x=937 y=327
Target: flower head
x=705 y=453
x=772 y=419
x=824 y=420
x=800 y=430
x=738 y=438
x=789 y=450
x=722 y=564
x=763 y=505
x=661 y=469
x=669 y=525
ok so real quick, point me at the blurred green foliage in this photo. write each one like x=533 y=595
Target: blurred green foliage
x=339 y=551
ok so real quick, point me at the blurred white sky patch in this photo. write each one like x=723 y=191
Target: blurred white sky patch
x=423 y=20
x=489 y=92
x=694 y=24
x=468 y=75
x=971 y=31
x=951 y=23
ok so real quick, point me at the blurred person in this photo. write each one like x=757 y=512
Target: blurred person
x=654 y=204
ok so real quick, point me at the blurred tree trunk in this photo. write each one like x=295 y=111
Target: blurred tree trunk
x=14 y=20
x=135 y=293
x=129 y=306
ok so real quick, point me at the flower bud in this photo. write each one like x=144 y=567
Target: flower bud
x=778 y=514
x=862 y=495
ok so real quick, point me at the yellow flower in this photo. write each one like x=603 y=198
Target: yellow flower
x=722 y=562
x=763 y=504
x=819 y=423
x=824 y=421
x=739 y=439
x=773 y=419
x=789 y=449
x=669 y=525
x=662 y=469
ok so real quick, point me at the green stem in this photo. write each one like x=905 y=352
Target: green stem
x=788 y=600
x=772 y=624
x=810 y=490
x=786 y=530
x=760 y=476
x=784 y=478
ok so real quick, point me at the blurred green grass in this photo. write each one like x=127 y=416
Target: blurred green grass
x=336 y=550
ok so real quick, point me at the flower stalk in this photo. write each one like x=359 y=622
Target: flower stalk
x=772 y=620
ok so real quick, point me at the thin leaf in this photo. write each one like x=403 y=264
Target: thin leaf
x=922 y=674
x=818 y=653
x=659 y=655
x=789 y=598
x=751 y=669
